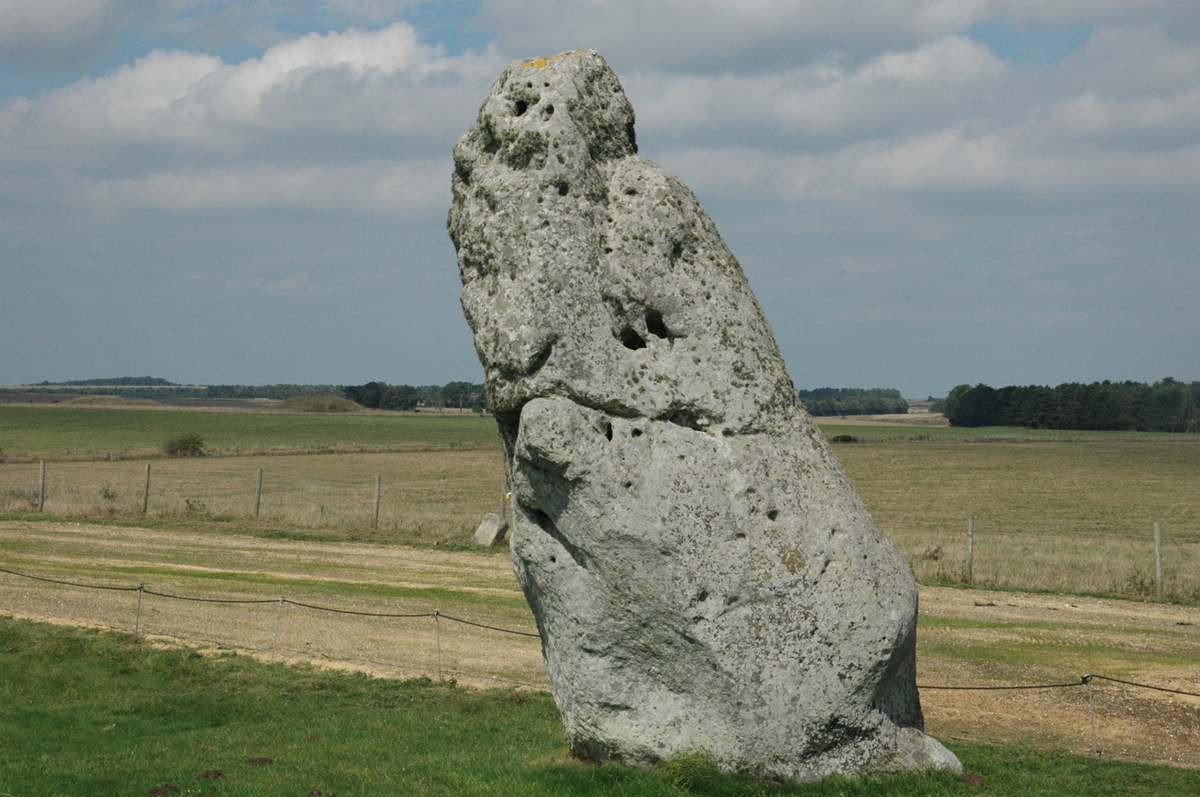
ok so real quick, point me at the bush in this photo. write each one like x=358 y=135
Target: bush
x=186 y=445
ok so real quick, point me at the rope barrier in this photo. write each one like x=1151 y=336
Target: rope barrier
x=1083 y=681
x=208 y=600
x=1080 y=682
x=490 y=627
x=350 y=611
x=1145 y=686
x=69 y=583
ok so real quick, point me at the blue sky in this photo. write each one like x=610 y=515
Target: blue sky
x=921 y=193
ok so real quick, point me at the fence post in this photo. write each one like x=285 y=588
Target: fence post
x=1158 y=570
x=1087 y=679
x=970 y=548
x=278 y=617
x=375 y=514
x=146 y=490
x=438 y=626
x=258 y=492
x=41 y=485
x=137 y=621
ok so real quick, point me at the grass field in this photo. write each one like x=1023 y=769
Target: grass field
x=1071 y=515
x=89 y=713
x=55 y=432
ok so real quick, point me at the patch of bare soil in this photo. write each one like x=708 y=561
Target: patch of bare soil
x=966 y=637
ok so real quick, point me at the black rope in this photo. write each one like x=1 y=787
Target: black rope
x=489 y=627
x=1146 y=686
x=68 y=583
x=1080 y=682
x=348 y=611
x=209 y=600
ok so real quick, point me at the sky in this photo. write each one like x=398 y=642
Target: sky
x=923 y=193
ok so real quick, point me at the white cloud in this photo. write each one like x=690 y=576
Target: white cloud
x=303 y=125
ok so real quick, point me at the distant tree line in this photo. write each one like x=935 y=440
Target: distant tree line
x=130 y=381
x=279 y=392
x=827 y=401
x=380 y=395
x=1166 y=406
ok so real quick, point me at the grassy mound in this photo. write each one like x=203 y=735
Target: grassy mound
x=318 y=404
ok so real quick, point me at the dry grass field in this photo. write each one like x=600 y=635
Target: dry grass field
x=1063 y=516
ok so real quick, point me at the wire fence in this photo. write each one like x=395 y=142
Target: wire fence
x=437 y=617
x=1101 y=558
x=202 y=489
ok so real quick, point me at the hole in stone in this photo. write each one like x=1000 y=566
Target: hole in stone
x=630 y=339
x=702 y=597
x=549 y=111
x=628 y=485
x=636 y=433
x=563 y=188
x=608 y=250
x=540 y=358
x=522 y=107
x=686 y=419
x=608 y=431
x=773 y=514
x=529 y=84
x=631 y=191
x=553 y=560
x=676 y=251
x=732 y=599
x=727 y=432
x=739 y=536
x=540 y=200
x=655 y=325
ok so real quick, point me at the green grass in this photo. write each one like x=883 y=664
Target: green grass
x=26 y=431
x=831 y=427
x=87 y=713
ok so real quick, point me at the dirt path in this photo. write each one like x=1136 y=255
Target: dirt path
x=966 y=637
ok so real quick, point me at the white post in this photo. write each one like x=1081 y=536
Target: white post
x=41 y=485
x=1158 y=570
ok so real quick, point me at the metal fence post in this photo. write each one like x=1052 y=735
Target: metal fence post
x=137 y=621
x=438 y=628
x=146 y=490
x=1158 y=570
x=375 y=514
x=278 y=617
x=258 y=492
x=967 y=575
x=1087 y=679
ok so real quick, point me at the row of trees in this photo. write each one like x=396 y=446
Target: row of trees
x=827 y=401
x=380 y=395
x=1165 y=406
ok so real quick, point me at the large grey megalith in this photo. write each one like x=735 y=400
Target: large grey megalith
x=703 y=574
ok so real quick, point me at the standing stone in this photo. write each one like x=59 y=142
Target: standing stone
x=703 y=575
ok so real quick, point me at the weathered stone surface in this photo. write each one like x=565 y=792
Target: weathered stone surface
x=703 y=574
x=491 y=531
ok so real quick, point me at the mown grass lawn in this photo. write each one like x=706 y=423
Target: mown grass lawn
x=90 y=713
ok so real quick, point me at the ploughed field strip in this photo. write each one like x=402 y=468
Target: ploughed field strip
x=1011 y=638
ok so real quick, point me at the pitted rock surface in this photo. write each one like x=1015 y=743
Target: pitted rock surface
x=703 y=575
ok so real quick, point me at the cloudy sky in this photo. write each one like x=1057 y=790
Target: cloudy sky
x=922 y=192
